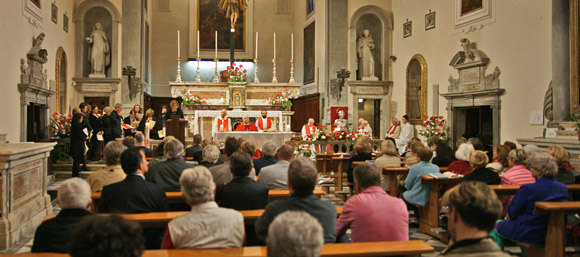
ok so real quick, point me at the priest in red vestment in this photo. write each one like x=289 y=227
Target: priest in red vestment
x=264 y=123
x=246 y=125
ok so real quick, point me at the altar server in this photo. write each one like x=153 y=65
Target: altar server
x=246 y=125
x=308 y=130
x=264 y=123
x=221 y=123
x=407 y=133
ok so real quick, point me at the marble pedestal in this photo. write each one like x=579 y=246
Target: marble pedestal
x=23 y=183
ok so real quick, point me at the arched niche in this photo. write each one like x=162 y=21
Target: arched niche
x=380 y=26
x=61 y=81
x=86 y=15
x=416 y=89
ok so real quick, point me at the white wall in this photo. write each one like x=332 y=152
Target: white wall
x=17 y=40
x=519 y=43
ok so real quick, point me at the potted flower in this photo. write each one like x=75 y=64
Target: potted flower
x=236 y=73
x=282 y=99
x=433 y=127
x=190 y=98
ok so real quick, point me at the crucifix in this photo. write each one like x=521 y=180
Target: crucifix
x=232 y=9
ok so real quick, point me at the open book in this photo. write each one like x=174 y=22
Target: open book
x=446 y=174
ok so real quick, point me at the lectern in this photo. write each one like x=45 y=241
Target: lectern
x=176 y=127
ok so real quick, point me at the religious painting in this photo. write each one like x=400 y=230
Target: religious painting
x=430 y=21
x=54 y=13
x=65 y=23
x=469 y=6
x=309 y=6
x=309 y=53
x=407 y=29
x=211 y=19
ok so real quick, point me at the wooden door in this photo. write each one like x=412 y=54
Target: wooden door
x=305 y=107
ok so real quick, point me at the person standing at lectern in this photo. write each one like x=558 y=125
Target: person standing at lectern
x=264 y=123
x=222 y=123
x=246 y=125
x=308 y=130
x=175 y=110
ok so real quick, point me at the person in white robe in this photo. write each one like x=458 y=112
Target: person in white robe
x=407 y=133
x=221 y=123
x=308 y=130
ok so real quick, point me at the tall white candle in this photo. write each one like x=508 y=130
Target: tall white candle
x=274 y=45
x=178 y=46
x=216 y=40
x=292 y=40
x=256 y=45
x=198 y=44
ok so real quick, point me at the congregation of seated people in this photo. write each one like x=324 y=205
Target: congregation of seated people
x=222 y=182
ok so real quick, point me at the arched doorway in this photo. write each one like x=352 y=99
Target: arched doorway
x=416 y=90
x=61 y=74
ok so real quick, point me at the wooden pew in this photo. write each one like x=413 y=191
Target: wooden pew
x=160 y=219
x=429 y=215
x=512 y=189
x=323 y=161
x=555 y=236
x=405 y=248
x=394 y=172
x=176 y=197
x=343 y=161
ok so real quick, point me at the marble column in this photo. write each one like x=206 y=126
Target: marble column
x=561 y=58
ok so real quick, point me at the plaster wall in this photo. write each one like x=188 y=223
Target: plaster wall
x=518 y=42
x=18 y=34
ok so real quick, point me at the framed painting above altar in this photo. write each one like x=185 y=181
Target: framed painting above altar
x=210 y=19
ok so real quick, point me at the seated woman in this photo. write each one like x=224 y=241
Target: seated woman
x=521 y=224
x=461 y=165
x=389 y=157
x=477 y=161
x=517 y=174
x=564 y=175
x=362 y=152
x=443 y=156
x=500 y=159
x=151 y=124
x=209 y=156
x=418 y=193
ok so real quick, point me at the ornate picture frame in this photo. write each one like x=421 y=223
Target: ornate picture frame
x=430 y=20
x=407 y=29
x=54 y=13
x=468 y=12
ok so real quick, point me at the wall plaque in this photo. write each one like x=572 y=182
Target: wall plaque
x=469 y=76
x=370 y=90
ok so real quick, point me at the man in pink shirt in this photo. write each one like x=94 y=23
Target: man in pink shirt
x=372 y=214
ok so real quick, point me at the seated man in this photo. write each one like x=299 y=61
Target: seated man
x=372 y=214
x=295 y=233
x=135 y=195
x=473 y=212
x=195 y=150
x=246 y=125
x=207 y=225
x=275 y=176
x=243 y=193
x=418 y=193
x=221 y=123
x=267 y=159
x=264 y=123
x=98 y=236
x=54 y=235
x=140 y=142
x=112 y=173
x=302 y=176
x=167 y=173
x=222 y=173
x=308 y=130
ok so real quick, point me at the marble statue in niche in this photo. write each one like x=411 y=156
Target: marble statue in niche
x=365 y=46
x=340 y=124
x=99 y=51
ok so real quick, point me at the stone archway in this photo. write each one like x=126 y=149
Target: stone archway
x=61 y=80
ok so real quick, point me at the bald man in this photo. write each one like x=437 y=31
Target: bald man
x=222 y=123
x=247 y=125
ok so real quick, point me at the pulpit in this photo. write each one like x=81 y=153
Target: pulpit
x=176 y=127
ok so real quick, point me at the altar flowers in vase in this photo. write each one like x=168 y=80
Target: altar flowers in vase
x=236 y=73
x=60 y=125
x=282 y=99
x=433 y=127
x=189 y=98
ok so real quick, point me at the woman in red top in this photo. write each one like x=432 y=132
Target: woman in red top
x=461 y=165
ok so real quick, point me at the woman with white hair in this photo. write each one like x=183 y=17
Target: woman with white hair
x=222 y=227
x=522 y=225
x=461 y=165
x=210 y=156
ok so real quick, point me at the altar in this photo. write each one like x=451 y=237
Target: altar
x=258 y=138
x=201 y=120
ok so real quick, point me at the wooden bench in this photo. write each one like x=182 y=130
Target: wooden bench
x=512 y=189
x=160 y=219
x=397 y=248
x=394 y=182
x=343 y=161
x=323 y=161
x=555 y=236
x=429 y=215
x=176 y=197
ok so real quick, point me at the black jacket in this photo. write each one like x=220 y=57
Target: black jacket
x=54 y=235
x=195 y=152
x=263 y=162
x=95 y=124
x=77 y=140
x=167 y=173
x=116 y=124
x=127 y=121
x=153 y=133
x=171 y=113
x=133 y=195
x=483 y=174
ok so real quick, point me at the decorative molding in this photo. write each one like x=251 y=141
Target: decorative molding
x=474 y=20
x=33 y=13
x=423 y=100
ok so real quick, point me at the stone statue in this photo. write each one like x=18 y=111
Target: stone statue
x=365 y=46
x=466 y=44
x=23 y=71
x=232 y=9
x=492 y=80
x=453 y=84
x=99 y=51
x=340 y=124
x=36 y=52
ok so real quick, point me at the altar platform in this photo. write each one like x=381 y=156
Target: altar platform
x=258 y=138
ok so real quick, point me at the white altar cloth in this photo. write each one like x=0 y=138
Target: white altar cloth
x=258 y=138
x=233 y=114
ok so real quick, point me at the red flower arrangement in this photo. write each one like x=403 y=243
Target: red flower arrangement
x=189 y=98
x=236 y=73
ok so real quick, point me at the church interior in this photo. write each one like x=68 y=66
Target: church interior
x=494 y=70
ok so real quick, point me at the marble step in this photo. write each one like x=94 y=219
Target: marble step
x=65 y=174
x=68 y=166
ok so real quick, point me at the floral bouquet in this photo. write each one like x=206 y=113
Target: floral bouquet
x=306 y=151
x=321 y=134
x=281 y=99
x=236 y=73
x=60 y=125
x=433 y=127
x=190 y=98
